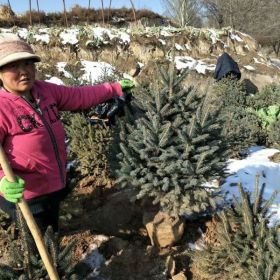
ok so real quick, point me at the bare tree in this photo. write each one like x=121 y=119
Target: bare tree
x=65 y=14
x=30 y=13
x=38 y=10
x=214 y=11
x=259 y=18
x=133 y=9
x=9 y=5
x=88 y=12
x=102 y=11
x=11 y=12
x=238 y=14
x=183 y=12
x=109 y=11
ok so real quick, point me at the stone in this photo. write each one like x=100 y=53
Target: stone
x=170 y=265
x=162 y=229
x=180 y=276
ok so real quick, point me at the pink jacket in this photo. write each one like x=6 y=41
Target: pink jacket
x=34 y=139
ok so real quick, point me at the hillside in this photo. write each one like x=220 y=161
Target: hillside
x=138 y=46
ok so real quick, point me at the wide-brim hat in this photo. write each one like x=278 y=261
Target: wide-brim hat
x=13 y=49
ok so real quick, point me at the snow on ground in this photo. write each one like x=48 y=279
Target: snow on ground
x=69 y=36
x=275 y=62
x=249 y=67
x=244 y=171
x=93 y=258
x=187 y=62
x=97 y=36
x=55 y=80
x=95 y=71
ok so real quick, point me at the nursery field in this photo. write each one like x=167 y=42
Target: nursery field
x=183 y=183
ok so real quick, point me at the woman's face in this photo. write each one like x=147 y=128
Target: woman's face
x=18 y=77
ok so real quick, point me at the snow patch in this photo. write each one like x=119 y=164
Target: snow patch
x=165 y=33
x=214 y=35
x=162 y=42
x=179 y=47
x=235 y=37
x=45 y=38
x=187 y=62
x=249 y=67
x=244 y=171
x=69 y=36
x=95 y=71
x=55 y=80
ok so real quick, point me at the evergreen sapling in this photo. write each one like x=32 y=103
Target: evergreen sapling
x=29 y=266
x=173 y=148
x=249 y=249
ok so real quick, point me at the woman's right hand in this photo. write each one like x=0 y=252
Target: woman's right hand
x=12 y=191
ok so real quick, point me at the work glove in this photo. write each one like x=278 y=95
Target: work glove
x=118 y=103
x=126 y=85
x=111 y=108
x=12 y=191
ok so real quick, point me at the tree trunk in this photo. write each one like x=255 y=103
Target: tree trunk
x=276 y=47
x=133 y=9
x=30 y=13
x=109 y=12
x=9 y=4
x=88 y=11
x=102 y=10
x=38 y=10
x=231 y=14
x=65 y=14
x=12 y=12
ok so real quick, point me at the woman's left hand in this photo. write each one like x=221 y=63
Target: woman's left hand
x=126 y=85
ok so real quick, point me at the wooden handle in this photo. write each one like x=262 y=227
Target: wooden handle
x=35 y=231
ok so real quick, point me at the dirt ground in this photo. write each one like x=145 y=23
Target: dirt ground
x=111 y=240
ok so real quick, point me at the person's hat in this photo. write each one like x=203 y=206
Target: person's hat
x=13 y=49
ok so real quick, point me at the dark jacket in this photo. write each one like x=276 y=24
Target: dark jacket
x=226 y=66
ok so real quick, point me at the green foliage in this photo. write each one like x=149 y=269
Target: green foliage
x=172 y=148
x=273 y=135
x=268 y=115
x=241 y=126
x=269 y=95
x=76 y=71
x=265 y=105
x=88 y=146
x=248 y=249
x=29 y=266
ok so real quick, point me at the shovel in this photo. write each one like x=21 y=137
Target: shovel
x=30 y=220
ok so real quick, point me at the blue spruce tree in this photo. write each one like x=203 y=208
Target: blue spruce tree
x=172 y=148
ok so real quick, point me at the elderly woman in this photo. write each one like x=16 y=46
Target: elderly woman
x=32 y=134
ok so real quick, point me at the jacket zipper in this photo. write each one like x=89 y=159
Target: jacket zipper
x=38 y=111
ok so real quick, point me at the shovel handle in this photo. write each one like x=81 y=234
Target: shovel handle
x=35 y=231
